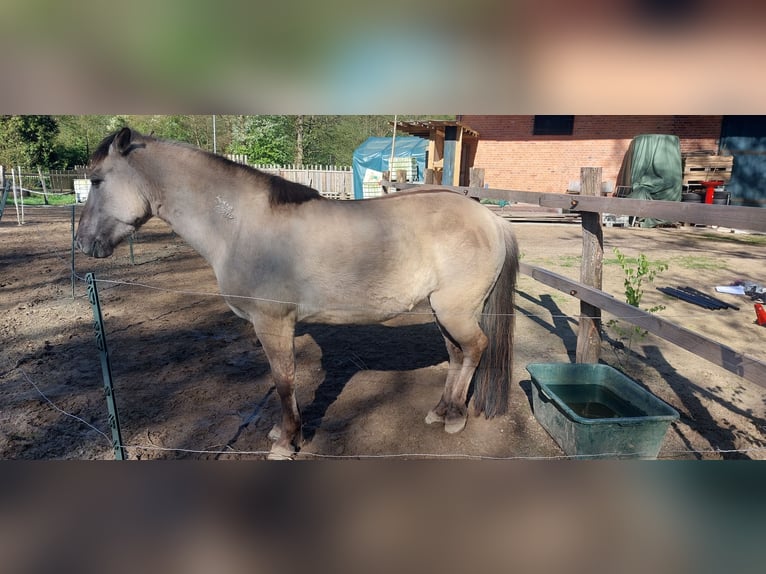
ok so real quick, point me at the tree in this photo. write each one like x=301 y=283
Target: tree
x=78 y=138
x=193 y=129
x=299 y=140
x=67 y=141
x=29 y=140
x=302 y=139
x=265 y=139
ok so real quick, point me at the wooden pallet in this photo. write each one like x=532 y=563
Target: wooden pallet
x=706 y=168
x=534 y=213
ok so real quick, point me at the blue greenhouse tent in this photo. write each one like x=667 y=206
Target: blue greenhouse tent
x=372 y=158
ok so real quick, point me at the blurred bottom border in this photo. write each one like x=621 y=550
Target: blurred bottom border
x=592 y=516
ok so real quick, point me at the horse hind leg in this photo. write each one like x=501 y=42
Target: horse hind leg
x=466 y=343
x=439 y=412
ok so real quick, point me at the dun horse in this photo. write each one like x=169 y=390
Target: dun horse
x=283 y=254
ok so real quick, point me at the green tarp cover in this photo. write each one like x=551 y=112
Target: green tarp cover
x=652 y=168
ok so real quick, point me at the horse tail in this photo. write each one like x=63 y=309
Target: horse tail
x=492 y=379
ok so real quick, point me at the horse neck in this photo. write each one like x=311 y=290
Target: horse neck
x=195 y=198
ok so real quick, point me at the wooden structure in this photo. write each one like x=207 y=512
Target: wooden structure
x=697 y=169
x=451 y=148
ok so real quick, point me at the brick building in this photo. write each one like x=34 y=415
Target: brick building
x=545 y=153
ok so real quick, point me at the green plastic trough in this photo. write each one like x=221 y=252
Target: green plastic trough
x=595 y=411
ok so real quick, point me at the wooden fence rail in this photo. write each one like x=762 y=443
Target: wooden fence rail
x=746 y=218
x=749 y=368
x=736 y=217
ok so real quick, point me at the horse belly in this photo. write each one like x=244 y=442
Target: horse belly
x=364 y=299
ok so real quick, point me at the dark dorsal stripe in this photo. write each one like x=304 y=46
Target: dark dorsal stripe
x=284 y=192
x=281 y=191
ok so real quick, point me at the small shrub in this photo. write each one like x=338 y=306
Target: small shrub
x=637 y=272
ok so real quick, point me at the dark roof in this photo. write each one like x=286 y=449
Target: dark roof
x=423 y=128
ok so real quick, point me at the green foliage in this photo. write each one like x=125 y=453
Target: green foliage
x=38 y=199
x=265 y=139
x=637 y=273
x=308 y=139
x=698 y=262
x=67 y=141
x=28 y=140
x=739 y=239
x=78 y=138
x=194 y=129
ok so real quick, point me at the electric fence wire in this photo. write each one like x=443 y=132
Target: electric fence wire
x=547 y=315
x=64 y=256
x=362 y=456
x=123 y=283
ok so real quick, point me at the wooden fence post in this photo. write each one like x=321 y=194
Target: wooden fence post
x=42 y=181
x=476 y=177
x=589 y=334
x=386 y=177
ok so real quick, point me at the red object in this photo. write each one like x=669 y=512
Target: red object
x=760 y=314
x=710 y=189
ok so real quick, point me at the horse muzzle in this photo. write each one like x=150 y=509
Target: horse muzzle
x=94 y=247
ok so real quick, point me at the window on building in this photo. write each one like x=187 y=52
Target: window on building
x=553 y=126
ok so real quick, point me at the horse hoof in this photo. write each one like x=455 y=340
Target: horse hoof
x=453 y=426
x=275 y=433
x=280 y=453
x=432 y=417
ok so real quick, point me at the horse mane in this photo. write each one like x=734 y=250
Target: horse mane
x=281 y=191
x=285 y=192
x=102 y=150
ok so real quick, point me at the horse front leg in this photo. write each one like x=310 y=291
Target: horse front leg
x=278 y=345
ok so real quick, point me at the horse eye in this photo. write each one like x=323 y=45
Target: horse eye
x=95 y=181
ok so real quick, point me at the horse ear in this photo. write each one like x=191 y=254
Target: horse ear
x=122 y=141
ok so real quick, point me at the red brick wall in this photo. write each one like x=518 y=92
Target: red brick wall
x=513 y=158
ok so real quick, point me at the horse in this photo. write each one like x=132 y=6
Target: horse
x=283 y=254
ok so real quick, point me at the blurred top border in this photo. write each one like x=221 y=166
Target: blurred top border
x=483 y=56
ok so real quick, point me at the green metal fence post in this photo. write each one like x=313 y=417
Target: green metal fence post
x=6 y=187
x=73 y=249
x=106 y=368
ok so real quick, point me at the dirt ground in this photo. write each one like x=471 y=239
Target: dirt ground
x=191 y=381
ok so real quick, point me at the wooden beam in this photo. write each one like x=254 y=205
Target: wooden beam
x=458 y=156
x=745 y=366
x=589 y=333
x=431 y=151
x=734 y=216
x=450 y=150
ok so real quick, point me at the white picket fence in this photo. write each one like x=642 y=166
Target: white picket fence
x=332 y=181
